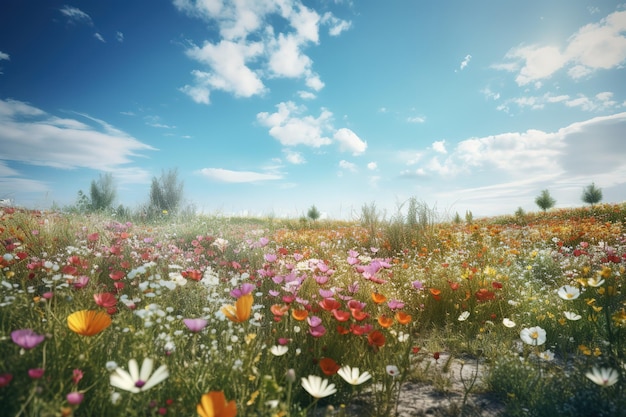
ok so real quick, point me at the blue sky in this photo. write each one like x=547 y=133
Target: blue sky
x=267 y=107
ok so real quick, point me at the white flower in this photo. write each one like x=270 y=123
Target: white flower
x=352 y=375
x=546 y=355
x=533 y=336
x=318 y=387
x=603 y=376
x=508 y=323
x=570 y=315
x=279 y=350
x=392 y=370
x=136 y=380
x=464 y=315
x=595 y=282
x=567 y=292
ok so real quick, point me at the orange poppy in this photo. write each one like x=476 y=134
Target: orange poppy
x=359 y=315
x=298 y=314
x=376 y=339
x=385 y=321
x=403 y=318
x=213 y=404
x=378 y=298
x=241 y=311
x=435 y=293
x=88 y=322
x=329 y=366
x=279 y=310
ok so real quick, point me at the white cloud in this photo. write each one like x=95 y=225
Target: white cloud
x=230 y=73
x=293 y=157
x=306 y=95
x=63 y=142
x=226 y=175
x=465 y=62
x=75 y=15
x=601 y=101
x=337 y=26
x=4 y=56
x=372 y=166
x=439 y=146
x=416 y=119
x=238 y=65
x=349 y=141
x=348 y=166
x=594 y=46
x=99 y=37
x=119 y=36
x=290 y=128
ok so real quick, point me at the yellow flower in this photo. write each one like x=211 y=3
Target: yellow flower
x=88 y=322
x=213 y=404
x=239 y=312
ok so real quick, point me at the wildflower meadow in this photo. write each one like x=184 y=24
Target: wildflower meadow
x=214 y=316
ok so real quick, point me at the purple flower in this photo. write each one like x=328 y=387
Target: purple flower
x=395 y=304
x=314 y=321
x=317 y=331
x=195 y=325
x=75 y=398
x=36 y=373
x=270 y=257
x=417 y=285
x=245 y=288
x=26 y=338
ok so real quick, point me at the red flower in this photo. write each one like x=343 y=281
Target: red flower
x=484 y=294
x=376 y=339
x=453 y=285
x=328 y=366
x=329 y=304
x=117 y=275
x=436 y=356
x=105 y=299
x=496 y=285
x=341 y=315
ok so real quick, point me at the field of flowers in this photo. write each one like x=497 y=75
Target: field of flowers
x=224 y=317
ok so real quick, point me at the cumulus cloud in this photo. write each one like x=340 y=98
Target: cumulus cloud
x=416 y=119
x=64 y=143
x=348 y=166
x=254 y=46
x=440 y=146
x=337 y=26
x=600 y=45
x=230 y=176
x=293 y=157
x=4 y=56
x=372 y=166
x=290 y=127
x=349 y=141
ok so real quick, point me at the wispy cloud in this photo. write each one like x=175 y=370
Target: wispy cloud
x=348 y=166
x=240 y=65
x=595 y=46
x=75 y=15
x=119 y=36
x=64 y=143
x=99 y=37
x=4 y=56
x=230 y=176
x=465 y=62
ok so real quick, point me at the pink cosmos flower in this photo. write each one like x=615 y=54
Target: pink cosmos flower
x=36 y=373
x=75 y=398
x=195 y=325
x=26 y=338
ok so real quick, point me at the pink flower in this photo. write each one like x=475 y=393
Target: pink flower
x=5 y=379
x=26 y=338
x=75 y=397
x=77 y=375
x=36 y=373
x=195 y=325
x=81 y=282
x=245 y=288
x=317 y=331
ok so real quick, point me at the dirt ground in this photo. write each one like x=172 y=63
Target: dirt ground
x=441 y=395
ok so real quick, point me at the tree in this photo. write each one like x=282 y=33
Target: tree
x=545 y=200
x=166 y=192
x=313 y=213
x=592 y=194
x=102 y=192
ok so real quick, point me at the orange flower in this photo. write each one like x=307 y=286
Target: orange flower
x=385 y=321
x=359 y=315
x=88 y=322
x=378 y=298
x=342 y=330
x=329 y=366
x=436 y=293
x=403 y=318
x=299 y=314
x=279 y=310
x=376 y=339
x=341 y=315
x=213 y=404
x=240 y=312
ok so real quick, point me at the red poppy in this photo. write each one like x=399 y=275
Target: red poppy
x=496 y=285
x=484 y=294
x=376 y=339
x=329 y=366
x=342 y=330
x=453 y=285
x=341 y=315
x=359 y=315
x=117 y=275
x=105 y=299
x=329 y=304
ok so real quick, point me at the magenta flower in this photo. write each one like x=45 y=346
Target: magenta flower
x=245 y=288
x=26 y=338
x=5 y=379
x=317 y=331
x=314 y=321
x=270 y=257
x=195 y=325
x=75 y=398
x=81 y=282
x=417 y=285
x=36 y=373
